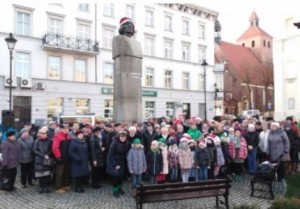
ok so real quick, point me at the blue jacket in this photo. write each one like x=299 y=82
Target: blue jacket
x=136 y=160
x=25 y=148
x=78 y=153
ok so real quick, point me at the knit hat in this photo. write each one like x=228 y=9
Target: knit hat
x=78 y=132
x=275 y=124
x=10 y=133
x=185 y=135
x=163 y=140
x=125 y=20
x=154 y=143
x=251 y=126
x=184 y=140
x=202 y=143
x=136 y=141
x=23 y=130
x=172 y=140
x=122 y=132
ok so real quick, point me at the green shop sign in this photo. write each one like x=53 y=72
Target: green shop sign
x=105 y=90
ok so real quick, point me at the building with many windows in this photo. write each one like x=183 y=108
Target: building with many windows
x=63 y=58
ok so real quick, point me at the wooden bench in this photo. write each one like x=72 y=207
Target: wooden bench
x=182 y=191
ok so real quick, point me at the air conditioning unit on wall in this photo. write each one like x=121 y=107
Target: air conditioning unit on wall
x=13 y=82
x=26 y=83
x=40 y=86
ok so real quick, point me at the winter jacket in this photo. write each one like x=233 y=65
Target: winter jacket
x=263 y=141
x=117 y=155
x=173 y=153
x=78 y=152
x=185 y=157
x=154 y=163
x=136 y=160
x=148 y=138
x=202 y=157
x=25 y=149
x=293 y=138
x=220 y=156
x=41 y=148
x=50 y=133
x=96 y=151
x=243 y=149
x=278 y=145
x=60 y=147
x=252 y=139
x=10 y=154
x=194 y=133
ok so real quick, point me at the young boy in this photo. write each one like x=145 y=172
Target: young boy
x=154 y=162
x=136 y=160
x=202 y=161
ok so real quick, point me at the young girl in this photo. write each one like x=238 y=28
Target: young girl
x=136 y=160
x=173 y=153
x=161 y=178
x=219 y=157
x=192 y=172
x=154 y=162
x=186 y=160
x=202 y=161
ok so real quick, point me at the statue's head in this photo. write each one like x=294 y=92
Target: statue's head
x=126 y=27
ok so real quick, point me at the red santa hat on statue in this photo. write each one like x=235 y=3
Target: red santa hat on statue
x=125 y=20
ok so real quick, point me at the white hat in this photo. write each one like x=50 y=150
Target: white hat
x=275 y=124
x=183 y=139
x=251 y=126
x=155 y=143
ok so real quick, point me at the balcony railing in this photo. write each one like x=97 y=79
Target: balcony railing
x=67 y=43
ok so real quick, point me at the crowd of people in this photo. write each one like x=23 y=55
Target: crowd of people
x=156 y=151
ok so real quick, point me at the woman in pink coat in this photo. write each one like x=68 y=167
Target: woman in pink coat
x=185 y=158
x=238 y=153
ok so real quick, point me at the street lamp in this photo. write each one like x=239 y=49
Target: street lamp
x=216 y=96
x=204 y=64
x=11 y=41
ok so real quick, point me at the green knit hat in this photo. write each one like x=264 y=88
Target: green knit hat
x=136 y=141
x=163 y=140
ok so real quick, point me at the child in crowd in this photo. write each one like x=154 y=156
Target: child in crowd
x=202 y=161
x=194 y=132
x=186 y=160
x=219 y=157
x=161 y=178
x=192 y=172
x=173 y=153
x=136 y=160
x=154 y=162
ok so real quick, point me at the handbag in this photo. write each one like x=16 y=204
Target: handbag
x=4 y=180
x=48 y=162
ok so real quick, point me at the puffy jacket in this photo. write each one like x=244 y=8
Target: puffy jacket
x=41 y=148
x=10 y=154
x=202 y=157
x=278 y=144
x=136 y=160
x=25 y=149
x=60 y=147
x=78 y=152
x=96 y=151
x=154 y=163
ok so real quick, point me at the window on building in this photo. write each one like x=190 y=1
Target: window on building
x=291 y=103
x=219 y=81
x=108 y=73
x=252 y=43
x=170 y=109
x=108 y=10
x=149 y=109
x=54 y=67
x=243 y=44
x=186 y=52
x=108 y=34
x=202 y=31
x=201 y=110
x=80 y=70
x=168 y=79
x=130 y=11
x=83 y=7
x=185 y=80
x=23 y=24
x=168 y=23
x=83 y=30
x=168 y=46
x=54 y=107
x=185 y=27
x=201 y=82
x=202 y=53
x=149 y=45
x=149 y=18
x=82 y=106
x=55 y=25
x=149 y=77
x=269 y=44
x=22 y=64
x=264 y=43
x=108 y=108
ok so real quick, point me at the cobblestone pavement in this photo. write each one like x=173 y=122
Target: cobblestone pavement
x=29 y=198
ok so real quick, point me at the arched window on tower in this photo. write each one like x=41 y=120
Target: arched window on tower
x=269 y=44
x=264 y=43
x=243 y=44
x=253 y=43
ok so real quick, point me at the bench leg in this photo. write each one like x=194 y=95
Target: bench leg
x=271 y=189
x=139 y=206
x=217 y=201
x=252 y=188
x=226 y=201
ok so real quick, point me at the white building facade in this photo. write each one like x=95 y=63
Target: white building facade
x=287 y=70
x=63 y=59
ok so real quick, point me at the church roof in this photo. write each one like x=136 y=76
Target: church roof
x=253 y=32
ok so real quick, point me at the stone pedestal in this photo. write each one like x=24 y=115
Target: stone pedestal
x=127 y=55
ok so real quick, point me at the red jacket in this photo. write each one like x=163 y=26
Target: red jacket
x=57 y=148
x=243 y=152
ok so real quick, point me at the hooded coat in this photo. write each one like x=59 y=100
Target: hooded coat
x=136 y=160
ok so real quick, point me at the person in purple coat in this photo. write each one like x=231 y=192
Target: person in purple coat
x=10 y=159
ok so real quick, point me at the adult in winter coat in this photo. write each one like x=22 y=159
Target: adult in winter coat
x=263 y=142
x=60 y=148
x=137 y=165
x=186 y=160
x=238 y=152
x=149 y=135
x=252 y=139
x=294 y=144
x=10 y=158
x=42 y=150
x=78 y=152
x=278 y=148
x=154 y=161
x=116 y=162
x=25 y=150
x=98 y=157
